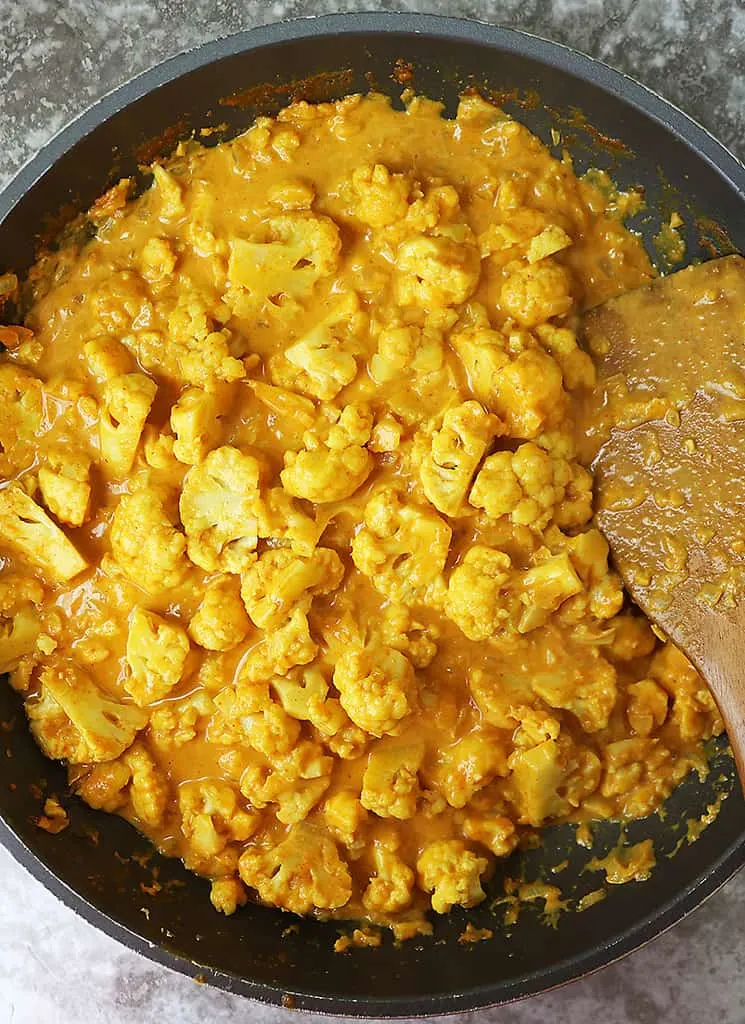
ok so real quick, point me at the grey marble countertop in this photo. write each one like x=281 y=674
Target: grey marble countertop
x=56 y=56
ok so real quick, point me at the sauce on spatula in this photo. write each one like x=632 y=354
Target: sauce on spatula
x=670 y=473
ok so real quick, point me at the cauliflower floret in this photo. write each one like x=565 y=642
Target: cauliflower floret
x=144 y=542
x=157 y=451
x=295 y=798
x=551 y=240
x=436 y=272
x=452 y=873
x=148 y=788
x=456 y=450
x=538 y=775
x=410 y=362
x=390 y=888
x=469 y=764
x=19 y=632
x=169 y=190
x=390 y=785
x=323 y=361
x=196 y=424
x=107 y=358
x=21 y=412
x=379 y=198
x=291 y=414
x=218 y=508
x=544 y=588
x=533 y=489
x=132 y=779
x=174 y=723
x=195 y=351
x=477 y=592
x=377 y=688
x=512 y=376
x=288 y=256
x=577 y=678
x=220 y=622
x=576 y=364
x=535 y=293
x=73 y=721
x=280 y=519
x=26 y=528
x=397 y=628
x=156 y=653
x=281 y=581
x=406 y=351
x=64 y=485
x=282 y=649
x=301 y=874
x=495 y=831
x=346 y=817
x=212 y=816
x=402 y=548
x=322 y=474
x=19 y=619
x=157 y=260
x=247 y=712
x=305 y=697
x=126 y=404
x=227 y=894
x=647 y=706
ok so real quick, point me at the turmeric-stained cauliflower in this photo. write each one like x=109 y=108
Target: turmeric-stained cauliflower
x=452 y=873
x=456 y=450
x=220 y=622
x=27 y=529
x=198 y=352
x=19 y=618
x=323 y=474
x=21 y=397
x=156 y=654
x=195 y=422
x=324 y=360
x=379 y=197
x=550 y=778
x=282 y=649
x=281 y=581
x=218 y=509
x=132 y=781
x=106 y=358
x=377 y=688
x=462 y=768
x=512 y=375
x=72 y=719
x=434 y=272
x=212 y=816
x=124 y=408
x=390 y=785
x=300 y=874
x=145 y=544
x=477 y=592
x=64 y=482
x=536 y=293
x=402 y=547
x=281 y=519
x=286 y=257
x=174 y=723
x=533 y=489
x=391 y=886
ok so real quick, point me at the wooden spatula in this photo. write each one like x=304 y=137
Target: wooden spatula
x=671 y=478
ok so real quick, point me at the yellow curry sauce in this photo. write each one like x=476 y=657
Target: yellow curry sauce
x=299 y=572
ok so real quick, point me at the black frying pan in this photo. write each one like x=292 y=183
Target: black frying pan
x=90 y=866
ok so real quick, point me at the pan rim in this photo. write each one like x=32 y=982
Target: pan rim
x=497 y=38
